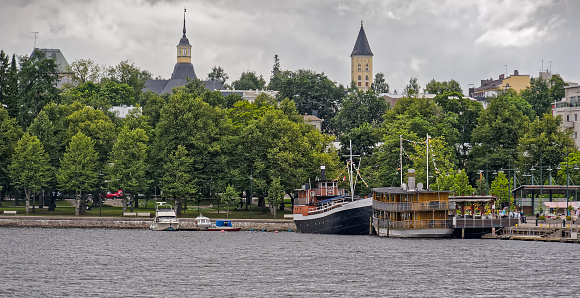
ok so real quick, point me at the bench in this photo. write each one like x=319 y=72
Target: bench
x=129 y=214
x=290 y=216
x=144 y=214
x=7 y=212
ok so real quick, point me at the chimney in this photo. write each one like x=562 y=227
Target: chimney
x=516 y=73
x=322 y=173
x=411 y=179
x=501 y=76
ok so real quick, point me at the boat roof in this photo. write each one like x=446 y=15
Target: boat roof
x=328 y=200
x=399 y=190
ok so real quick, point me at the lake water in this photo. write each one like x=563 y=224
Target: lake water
x=38 y=262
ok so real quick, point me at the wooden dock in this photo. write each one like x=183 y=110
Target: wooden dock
x=534 y=233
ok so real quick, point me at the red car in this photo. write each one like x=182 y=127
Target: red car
x=114 y=195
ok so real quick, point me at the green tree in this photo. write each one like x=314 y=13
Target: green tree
x=359 y=107
x=96 y=125
x=45 y=131
x=229 y=197
x=178 y=183
x=496 y=136
x=364 y=139
x=79 y=169
x=441 y=159
x=310 y=92
x=278 y=75
x=275 y=195
x=412 y=88
x=30 y=168
x=434 y=87
x=500 y=188
x=10 y=133
x=544 y=141
x=481 y=187
x=513 y=98
x=127 y=168
x=272 y=140
x=556 y=91
x=9 y=92
x=462 y=114
x=38 y=78
x=152 y=104
x=461 y=185
x=249 y=81
x=130 y=74
x=204 y=132
x=537 y=95
x=218 y=74
x=86 y=70
x=379 y=85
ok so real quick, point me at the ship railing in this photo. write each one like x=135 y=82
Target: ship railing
x=328 y=206
x=414 y=224
x=411 y=206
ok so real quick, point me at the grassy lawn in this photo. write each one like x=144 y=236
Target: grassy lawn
x=64 y=208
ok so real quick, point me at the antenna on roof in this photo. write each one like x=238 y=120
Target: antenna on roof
x=35 y=37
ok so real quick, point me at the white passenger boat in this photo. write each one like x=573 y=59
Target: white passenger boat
x=202 y=221
x=165 y=218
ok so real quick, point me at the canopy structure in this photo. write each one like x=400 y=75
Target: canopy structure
x=561 y=205
x=550 y=190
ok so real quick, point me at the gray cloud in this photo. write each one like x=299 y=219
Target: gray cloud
x=442 y=40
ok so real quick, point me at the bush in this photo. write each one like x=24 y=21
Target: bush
x=541 y=217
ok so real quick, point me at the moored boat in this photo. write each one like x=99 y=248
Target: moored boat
x=202 y=222
x=411 y=212
x=165 y=218
x=223 y=225
x=327 y=209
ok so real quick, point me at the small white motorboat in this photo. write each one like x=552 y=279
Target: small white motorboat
x=165 y=218
x=202 y=221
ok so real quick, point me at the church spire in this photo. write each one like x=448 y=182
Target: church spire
x=184 y=48
x=184 y=21
x=361 y=46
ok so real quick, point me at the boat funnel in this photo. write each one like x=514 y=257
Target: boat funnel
x=323 y=172
x=411 y=179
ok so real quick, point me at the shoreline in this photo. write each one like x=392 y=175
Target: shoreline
x=131 y=223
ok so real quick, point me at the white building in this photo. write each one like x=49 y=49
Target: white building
x=569 y=109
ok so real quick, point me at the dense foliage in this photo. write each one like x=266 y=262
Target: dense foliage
x=197 y=144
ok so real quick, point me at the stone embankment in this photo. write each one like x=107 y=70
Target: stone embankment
x=130 y=223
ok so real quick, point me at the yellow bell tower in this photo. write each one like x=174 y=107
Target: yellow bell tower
x=184 y=48
x=361 y=62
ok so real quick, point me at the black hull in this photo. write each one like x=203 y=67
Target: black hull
x=346 y=222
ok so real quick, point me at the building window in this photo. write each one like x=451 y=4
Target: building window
x=366 y=81
x=567 y=118
x=359 y=66
x=575 y=135
x=575 y=117
x=359 y=80
x=367 y=67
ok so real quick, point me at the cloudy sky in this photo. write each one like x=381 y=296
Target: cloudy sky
x=455 y=39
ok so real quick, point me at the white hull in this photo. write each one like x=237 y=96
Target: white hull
x=165 y=226
x=417 y=233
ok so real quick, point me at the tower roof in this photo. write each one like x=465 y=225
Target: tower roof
x=184 y=41
x=361 y=46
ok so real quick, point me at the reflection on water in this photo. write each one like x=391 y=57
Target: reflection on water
x=99 y=262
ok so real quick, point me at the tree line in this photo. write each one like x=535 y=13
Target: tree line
x=194 y=144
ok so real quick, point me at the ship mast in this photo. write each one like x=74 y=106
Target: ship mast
x=350 y=171
x=401 y=157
